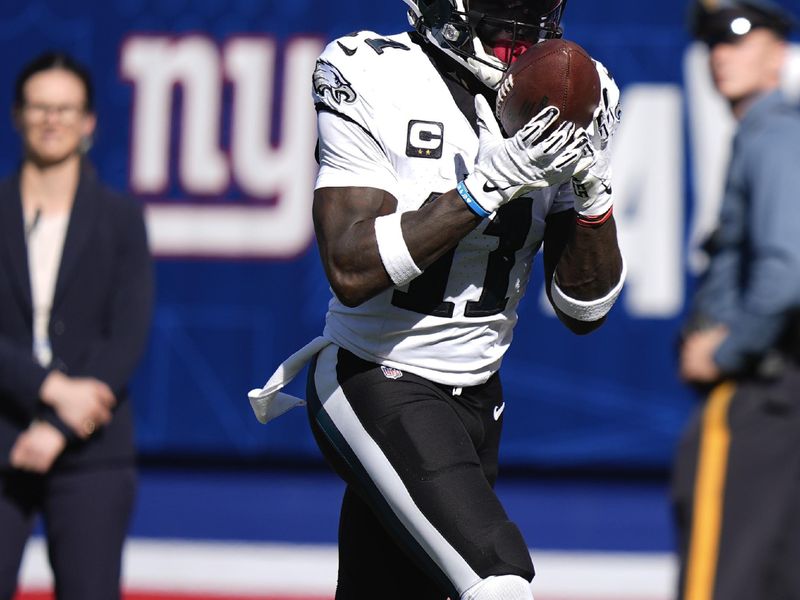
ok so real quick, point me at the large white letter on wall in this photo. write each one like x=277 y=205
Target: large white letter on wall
x=711 y=127
x=648 y=185
x=275 y=219
x=156 y=66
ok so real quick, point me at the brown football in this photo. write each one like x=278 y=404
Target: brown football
x=553 y=72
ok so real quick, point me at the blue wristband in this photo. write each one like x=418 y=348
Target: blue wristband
x=471 y=203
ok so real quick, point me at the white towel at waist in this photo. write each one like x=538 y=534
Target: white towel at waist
x=269 y=402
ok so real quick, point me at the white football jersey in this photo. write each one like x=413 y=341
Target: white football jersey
x=388 y=120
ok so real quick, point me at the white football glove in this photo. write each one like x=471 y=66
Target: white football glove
x=592 y=186
x=506 y=168
x=608 y=113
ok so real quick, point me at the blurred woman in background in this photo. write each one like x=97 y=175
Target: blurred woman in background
x=75 y=306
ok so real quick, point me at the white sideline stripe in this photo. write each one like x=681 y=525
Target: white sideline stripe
x=265 y=568
x=209 y=567
x=604 y=575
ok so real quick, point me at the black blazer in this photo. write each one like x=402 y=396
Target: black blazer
x=99 y=320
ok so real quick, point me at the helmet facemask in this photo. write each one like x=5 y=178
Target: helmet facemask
x=486 y=36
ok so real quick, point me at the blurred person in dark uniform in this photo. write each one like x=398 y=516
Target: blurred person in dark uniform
x=75 y=307
x=736 y=483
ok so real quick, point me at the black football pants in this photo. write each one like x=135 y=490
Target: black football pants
x=419 y=517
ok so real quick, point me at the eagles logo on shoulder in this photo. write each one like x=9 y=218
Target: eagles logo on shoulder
x=329 y=82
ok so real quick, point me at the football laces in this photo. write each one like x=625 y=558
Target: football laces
x=502 y=93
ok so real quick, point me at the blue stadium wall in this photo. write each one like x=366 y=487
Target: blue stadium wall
x=180 y=86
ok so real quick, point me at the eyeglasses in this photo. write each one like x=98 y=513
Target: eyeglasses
x=66 y=113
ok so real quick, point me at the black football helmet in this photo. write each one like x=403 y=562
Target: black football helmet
x=486 y=35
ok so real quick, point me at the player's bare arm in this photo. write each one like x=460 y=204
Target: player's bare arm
x=586 y=262
x=344 y=219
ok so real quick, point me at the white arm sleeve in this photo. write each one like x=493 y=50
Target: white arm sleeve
x=351 y=157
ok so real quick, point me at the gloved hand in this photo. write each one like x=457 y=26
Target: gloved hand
x=506 y=168
x=592 y=186
x=608 y=113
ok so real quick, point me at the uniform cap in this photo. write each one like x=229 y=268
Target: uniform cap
x=714 y=21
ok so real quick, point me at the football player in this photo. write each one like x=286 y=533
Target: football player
x=428 y=220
